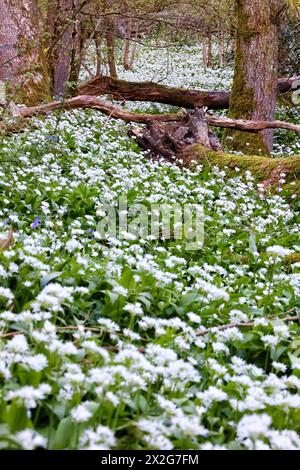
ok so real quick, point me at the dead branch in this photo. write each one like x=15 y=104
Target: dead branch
x=90 y=102
x=7 y=242
x=250 y=126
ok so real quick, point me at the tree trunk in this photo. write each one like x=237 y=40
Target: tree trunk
x=22 y=62
x=133 y=54
x=126 y=54
x=110 y=40
x=255 y=76
x=111 y=44
x=204 y=55
x=77 y=47
x=221 y=45
x=63 y=26
x=209 y=51
x=126 y=60
x=100 y=61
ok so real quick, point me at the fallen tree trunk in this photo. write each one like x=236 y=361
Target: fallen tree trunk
x=266 y=170
x=149 y=91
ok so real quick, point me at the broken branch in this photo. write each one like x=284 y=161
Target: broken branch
x=85 y=101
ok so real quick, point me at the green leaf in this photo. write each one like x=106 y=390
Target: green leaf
x=17 y=418
x=252 y=243
x=64 y=433
x=46 y=279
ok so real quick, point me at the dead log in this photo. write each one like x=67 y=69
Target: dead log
x=170 y=139
x=149 y=91
x=266 y=170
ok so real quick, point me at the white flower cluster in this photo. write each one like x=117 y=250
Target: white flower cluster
x=105 y=343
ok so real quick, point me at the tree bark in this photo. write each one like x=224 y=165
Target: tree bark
x=22 y=62
x=170 y=139
x=133 y=54
x=100 y=61
x=256 y=68
x=221 y=45
x=126 y=59
x=111 y=46
x=204 y=55
x=209 y=50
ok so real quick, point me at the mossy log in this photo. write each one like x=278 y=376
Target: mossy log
x=265 y=170
x=150 y=91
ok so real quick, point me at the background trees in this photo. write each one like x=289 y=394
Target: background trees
x=44 y=46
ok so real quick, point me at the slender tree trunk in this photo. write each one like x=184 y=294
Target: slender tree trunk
x=209 y=50
x=63 y=25
x=221 y=45
x=126 y=60
x=133 y=54
x=255 y=76
x=100 y=61
x=204 y=55
x=22 y=62
x=111 y=45
x=77 y=47
x=126 y=54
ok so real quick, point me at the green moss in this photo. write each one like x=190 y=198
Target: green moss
x=292 y=259
x=264 y=169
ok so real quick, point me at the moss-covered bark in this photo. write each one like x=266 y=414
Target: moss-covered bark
x=254 y=88
x=292 y=259
x=266 y=170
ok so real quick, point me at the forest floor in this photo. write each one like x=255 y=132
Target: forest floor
x=117 y=343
